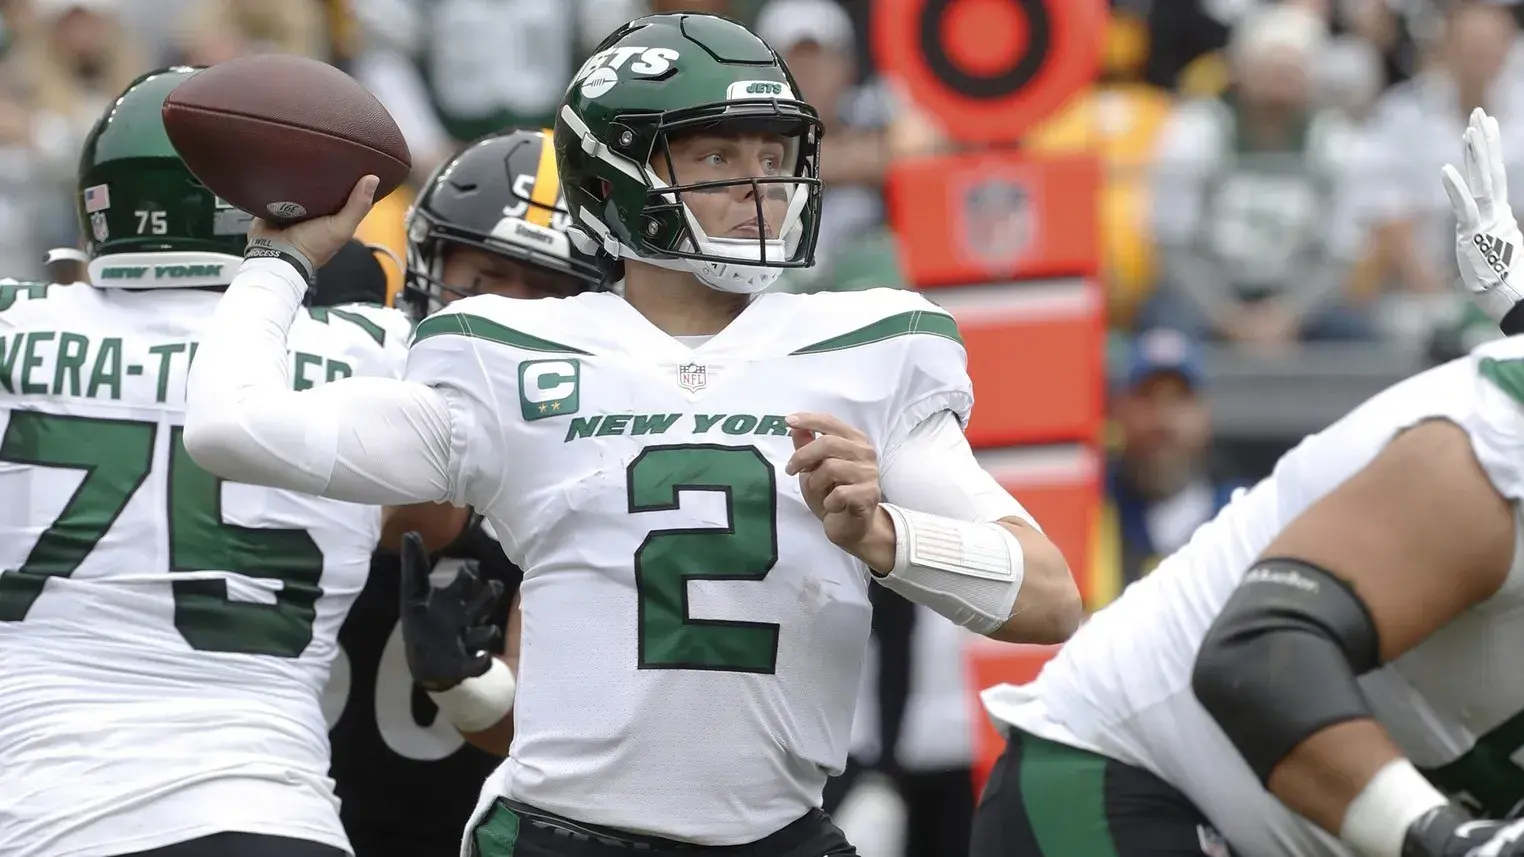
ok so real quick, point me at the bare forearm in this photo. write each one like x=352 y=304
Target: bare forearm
x=1325 y=773
x=1006 y=580
x=438 y=523
x=496 y=740
x=499 y=737
x=1048 y=608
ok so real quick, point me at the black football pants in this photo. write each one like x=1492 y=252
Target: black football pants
x=514 y=830
x=243 y=845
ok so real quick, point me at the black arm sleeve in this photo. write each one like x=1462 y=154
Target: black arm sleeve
x=1513 y=323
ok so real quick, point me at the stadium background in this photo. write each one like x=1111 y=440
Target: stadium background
x=1216 y=227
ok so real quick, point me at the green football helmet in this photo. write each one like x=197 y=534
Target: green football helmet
x=147 y=222
x=663 y=77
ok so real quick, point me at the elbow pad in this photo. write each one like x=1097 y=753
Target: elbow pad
x=1280 y=662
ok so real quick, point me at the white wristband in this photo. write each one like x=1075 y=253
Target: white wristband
x=477 y=704
x=966 y=571
x=1377 y=821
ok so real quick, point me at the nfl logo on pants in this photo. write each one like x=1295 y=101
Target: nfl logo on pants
x=692 y=377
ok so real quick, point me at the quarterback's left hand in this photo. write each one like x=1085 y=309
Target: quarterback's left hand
x=837 y=468
x=1486 y=234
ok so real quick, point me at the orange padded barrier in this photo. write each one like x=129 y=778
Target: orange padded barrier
x=996 y=215
x=1035 y=354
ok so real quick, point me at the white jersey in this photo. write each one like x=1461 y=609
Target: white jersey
x=692 y=642
x=164 y=637
x=1454 y=703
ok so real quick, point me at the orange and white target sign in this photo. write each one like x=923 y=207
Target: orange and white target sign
x=990 y=69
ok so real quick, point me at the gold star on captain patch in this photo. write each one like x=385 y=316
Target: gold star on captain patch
x=542 y=409
x=555 y=406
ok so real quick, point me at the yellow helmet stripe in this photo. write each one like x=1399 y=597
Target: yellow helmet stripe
x=547 y=185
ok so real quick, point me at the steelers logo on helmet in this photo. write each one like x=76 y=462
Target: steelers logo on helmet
x=499 y=195
x=701 y=158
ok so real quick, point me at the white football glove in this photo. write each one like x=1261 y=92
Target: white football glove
x=1487 y=239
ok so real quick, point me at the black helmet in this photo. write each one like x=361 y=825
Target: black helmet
x=500 y=194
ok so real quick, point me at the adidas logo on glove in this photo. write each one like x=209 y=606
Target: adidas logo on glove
x=1499 y=253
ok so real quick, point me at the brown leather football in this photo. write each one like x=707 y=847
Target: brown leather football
x=284 y=137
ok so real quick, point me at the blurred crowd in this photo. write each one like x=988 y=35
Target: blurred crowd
x=1270 y=163
x=1284 y=158
x=448 y=70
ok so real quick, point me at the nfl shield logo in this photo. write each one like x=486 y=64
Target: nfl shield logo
x=98 y=226
x=692 y=377
x=996 y=223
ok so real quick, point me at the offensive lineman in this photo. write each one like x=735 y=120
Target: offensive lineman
x=485 y=223
x=1333 y=656
x=164 y=635
x=694 y=618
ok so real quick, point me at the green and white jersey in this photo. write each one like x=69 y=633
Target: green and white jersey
x=1454 y=703
x=164 y=636
x=692 y=642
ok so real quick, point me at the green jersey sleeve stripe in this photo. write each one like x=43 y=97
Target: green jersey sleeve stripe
x=476 y=327
x=903 y=324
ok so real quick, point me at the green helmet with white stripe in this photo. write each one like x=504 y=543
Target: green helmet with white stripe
x=147 y=222
x=667 y=77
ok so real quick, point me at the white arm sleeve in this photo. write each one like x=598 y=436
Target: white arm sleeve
x=364 y=440
x=933 y=470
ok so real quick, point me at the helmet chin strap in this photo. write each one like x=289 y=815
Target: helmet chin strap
x=732 y=277
x=66 y=254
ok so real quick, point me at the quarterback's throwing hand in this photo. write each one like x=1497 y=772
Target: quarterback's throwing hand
x=1487 y=239
x=320 y=238
x=837 y=468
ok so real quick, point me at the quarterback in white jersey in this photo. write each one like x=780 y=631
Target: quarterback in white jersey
x=688 y=472
x=1330 y=662
x=164 y=635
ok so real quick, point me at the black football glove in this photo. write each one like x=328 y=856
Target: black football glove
x=447 y=634
x=1447 y=831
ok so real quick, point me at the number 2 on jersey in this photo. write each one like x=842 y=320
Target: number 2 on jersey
x=116 y=457
x=746 y=549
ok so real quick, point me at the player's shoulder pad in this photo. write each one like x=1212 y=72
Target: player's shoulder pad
x=1506 y=348
x=1483 y=393
x=23 y=302
x=19 y=292
x=1500 y=365
x=829 y=322
x=525 y=327
x=889 y=328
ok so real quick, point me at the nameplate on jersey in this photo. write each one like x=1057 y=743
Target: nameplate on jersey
x=64 y=363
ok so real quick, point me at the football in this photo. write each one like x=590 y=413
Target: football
x=283 y=137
